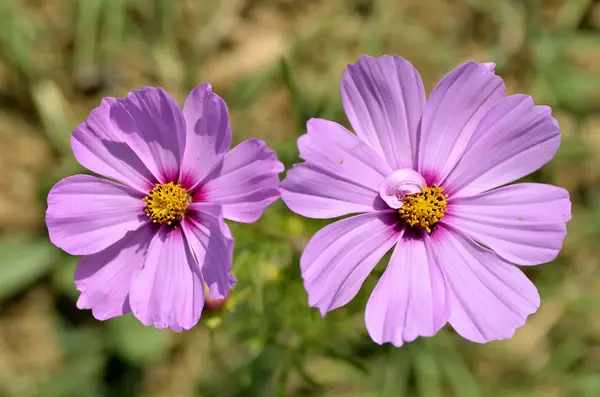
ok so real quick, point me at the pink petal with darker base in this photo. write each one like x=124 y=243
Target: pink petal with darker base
x=246 y=183
x=87 y=214
x=212 y=248
x=451 y=115
x=152 y=124
x=104 y=278
x=411 y=298
x=101 y=148
x=384 y=99
x=338 y=259
x=512 y=140
x=523 y=223
x=341 y=174
x=492 y=298
x=208 y=134
x=168 y=292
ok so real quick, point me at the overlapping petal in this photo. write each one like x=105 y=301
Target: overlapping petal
x=338 y=259
x=212 y=248
x=208 y=134
x=512 y=140
x=86 y=214
x=384 y=99
x=491 y=297
x=104 y=278
x=153 y=126
x=101 y=148
x=451 y=115
x=246 y=183
x=524 y=223
x=411 y=298
x=341 y=175
x=168 y=292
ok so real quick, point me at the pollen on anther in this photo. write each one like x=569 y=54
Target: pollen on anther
x=424 y=209
x=166 y=203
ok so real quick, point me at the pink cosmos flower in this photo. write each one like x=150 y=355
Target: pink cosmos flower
x=152 y=240
x=428 y=179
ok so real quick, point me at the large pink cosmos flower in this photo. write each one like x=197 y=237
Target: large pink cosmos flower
x=428 y=179
x=153 y=239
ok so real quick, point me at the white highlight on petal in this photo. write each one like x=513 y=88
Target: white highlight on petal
x=400 y=184
x=491 y=66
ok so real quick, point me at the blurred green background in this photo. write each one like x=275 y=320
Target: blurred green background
x=277 y=63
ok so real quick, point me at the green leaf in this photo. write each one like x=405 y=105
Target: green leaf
x=88 y=20
x=298 y=103
x=53 y=109
x=288 y=79
x=81 y=375
x=427 y=372
x=459 y=375
x=571 y=13
x=134 y=342
x=63 y=276
x=576 y=90
x=396 y=373
x=22 y=263
x=588 y=385
x=287 y=152
x=574 y=150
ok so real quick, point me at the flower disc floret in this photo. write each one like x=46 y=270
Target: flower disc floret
x=424 y=209
x=166 y=203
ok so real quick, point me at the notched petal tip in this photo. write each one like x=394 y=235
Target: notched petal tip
x=369 y=58
x=204 y=86
x=340 y=174
x=491 y=66
x=86 y=214
x=208 y=135
x=384 y=99
x=169 y=290
x=411 y=299
x=153 y=125
x=513 y=139
x=491 y=297
x=525 y=223
x=340 y=256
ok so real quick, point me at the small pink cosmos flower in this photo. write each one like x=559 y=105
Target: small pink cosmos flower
x=428 y=179
x=152 y=240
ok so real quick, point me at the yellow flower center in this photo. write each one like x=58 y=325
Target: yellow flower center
x=166 y=203
x=424 y=209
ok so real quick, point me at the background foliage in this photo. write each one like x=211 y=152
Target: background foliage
x=277 y=63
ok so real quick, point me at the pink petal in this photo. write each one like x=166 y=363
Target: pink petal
x=212 y=245
x=411 y=298
x=512 y=140
x=452 y=112
x=101 y=148
x=384 y=99
x=208 y=134
x=492 y=298
x=104 y=278
x=86 y=214
x=399 y=184
x=523 y=223
x=153 y=126
x=169 y=291
x=490 y=65
x=246 y=183
x=338 y=259
x=341 y=174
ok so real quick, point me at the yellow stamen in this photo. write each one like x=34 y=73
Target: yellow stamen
x=166 y=203
x=424 y=209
